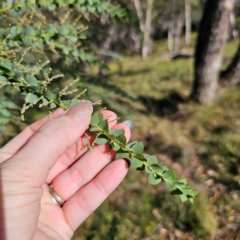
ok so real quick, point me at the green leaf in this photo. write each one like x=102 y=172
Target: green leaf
x=151 y=160
x=190 y=199
x=138 y=148
x=116 y=132
x=170 y=185
x=101 y=140
x=49 y=95
x=44 y=100
x=104 y=125
x=100 y=117
x=122 y=139
x=193 y=193
x=74 y=102
x=131 y=144
x=152 y=180
x=136 y=163
x=31 y=98
x=64 y=30
x=94 y=120
x=189 y=191
x=183 y=197
x=52 y=105
x=170 y=175
x=30 y=31
x=157 y=168
x=73 y=39
x=182 y=183
x=51 y=29
x=7 y=65
x=2 y=79
x=121 y=155
x=27 y=41
x=165 y=168
x=147 y=170
x=93 y=129
x=115 y=146
x=32 y=80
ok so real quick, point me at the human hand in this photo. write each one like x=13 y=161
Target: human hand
x=54 y=152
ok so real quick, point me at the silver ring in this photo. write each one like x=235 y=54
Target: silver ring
x=59 y=201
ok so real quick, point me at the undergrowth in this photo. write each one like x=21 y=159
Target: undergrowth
x=201 y=143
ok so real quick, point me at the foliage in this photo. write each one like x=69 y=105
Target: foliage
x=135 y=152
x=200 y=143
x=42 y=40
x=32 y=35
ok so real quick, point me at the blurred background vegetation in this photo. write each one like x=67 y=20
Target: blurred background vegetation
x=171 y=66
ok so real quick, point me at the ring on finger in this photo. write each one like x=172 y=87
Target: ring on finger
x=56 y=199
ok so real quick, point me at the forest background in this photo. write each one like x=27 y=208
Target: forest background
x=172 y=67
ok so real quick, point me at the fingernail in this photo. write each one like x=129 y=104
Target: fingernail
x=129 y=124
x=81 y=111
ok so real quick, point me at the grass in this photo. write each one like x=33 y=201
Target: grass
x=201 y=143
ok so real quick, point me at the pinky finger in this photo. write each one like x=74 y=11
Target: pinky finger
x=89 y=198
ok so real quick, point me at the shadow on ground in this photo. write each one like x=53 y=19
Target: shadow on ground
x=165 y=107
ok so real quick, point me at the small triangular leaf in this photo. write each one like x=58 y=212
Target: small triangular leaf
x=136 y=163
x=32 y=80
x=152 y=180
x=94 y=120
x=151 y=160
x=183 y=197
x=121 y=155
x=101 y=140
x=31 y=98
x=138 y=148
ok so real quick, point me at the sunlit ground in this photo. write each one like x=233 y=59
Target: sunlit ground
x=201 y=143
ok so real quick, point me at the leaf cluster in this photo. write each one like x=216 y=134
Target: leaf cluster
x=31 y=37
x=36 y=33
x=7 y=107
x=134 y=152
x=92 y=6
x=34 y=90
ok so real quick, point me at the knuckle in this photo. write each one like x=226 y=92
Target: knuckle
x=59 y=130
x=83 y=204
x=76 y=176
x=101 y=187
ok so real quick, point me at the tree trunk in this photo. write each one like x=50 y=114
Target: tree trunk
x=188 y=23
x=170 y=35
x=178 y=33
x=171 y=24
x=147 y=30
x=231 y=75
x=233 y=33
x=145 y=25
x=208 y=57
x=139 y=11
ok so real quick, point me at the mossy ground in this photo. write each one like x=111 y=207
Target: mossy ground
x=201 y=143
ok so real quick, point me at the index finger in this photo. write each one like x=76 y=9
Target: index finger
x=45 y=147
x=21 y=139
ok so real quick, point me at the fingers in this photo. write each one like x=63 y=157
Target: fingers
x=21 y=139
x=78 y=149
x=84 y=170
x=88 y=198
x=45 y=147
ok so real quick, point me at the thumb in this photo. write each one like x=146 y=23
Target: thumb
x=44 y=148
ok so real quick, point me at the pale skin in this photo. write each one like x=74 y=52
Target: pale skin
x=53 y=151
